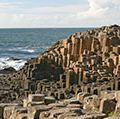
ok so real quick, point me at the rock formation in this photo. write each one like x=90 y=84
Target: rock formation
x=83 y=66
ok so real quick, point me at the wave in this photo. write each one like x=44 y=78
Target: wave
x=22 y=49
x=28 y=50
x=6 y=62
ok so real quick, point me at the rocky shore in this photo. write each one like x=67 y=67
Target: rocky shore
x=77 y=78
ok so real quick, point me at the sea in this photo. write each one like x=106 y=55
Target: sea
x=17 y=45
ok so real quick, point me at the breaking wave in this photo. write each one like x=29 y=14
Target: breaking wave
x=11 y=62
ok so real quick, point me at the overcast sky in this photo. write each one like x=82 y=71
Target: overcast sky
x=58 y=13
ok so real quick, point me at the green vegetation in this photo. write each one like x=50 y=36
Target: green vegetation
x=111 y=114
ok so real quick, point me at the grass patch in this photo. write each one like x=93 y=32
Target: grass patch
x=111 y=114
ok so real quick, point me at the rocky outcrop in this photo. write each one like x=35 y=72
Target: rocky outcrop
x=35 y=107
x=85 y=61
x=86 y=65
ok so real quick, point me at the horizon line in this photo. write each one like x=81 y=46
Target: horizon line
x=42 y=27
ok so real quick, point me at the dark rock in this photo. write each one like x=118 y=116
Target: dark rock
x=8 y=70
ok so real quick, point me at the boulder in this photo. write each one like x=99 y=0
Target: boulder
x=91 y=103
x=107 y=105
x=8 y=70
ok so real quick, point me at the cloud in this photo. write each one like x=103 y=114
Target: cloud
x=39 y=17
x=94 y=13
x=5 y=5
x=101 y=12
x=9 y=5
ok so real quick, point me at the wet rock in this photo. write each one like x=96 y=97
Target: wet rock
x=8 y=70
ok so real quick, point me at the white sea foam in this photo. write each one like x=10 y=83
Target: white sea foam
x=11 y=62
x=22 y=49
x=29 y=50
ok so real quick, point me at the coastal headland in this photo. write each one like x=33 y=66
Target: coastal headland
x=76 y=78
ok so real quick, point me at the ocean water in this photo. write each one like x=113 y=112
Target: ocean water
x=19 y=45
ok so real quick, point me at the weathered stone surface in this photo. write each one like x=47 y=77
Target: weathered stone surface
x=19 y=112
x=35 y=111
x=107 y=105
x=22 y=116
x=8 y=112
x=72 y=101
x=117 y=109
x=91 y=103
x=49 y=100
x=92 y=116
x=82 y=95
x=113 y=117
x=3 y=110
x=35 y=97
x=85 y=66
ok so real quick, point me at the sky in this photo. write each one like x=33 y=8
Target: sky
x=58 y=13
